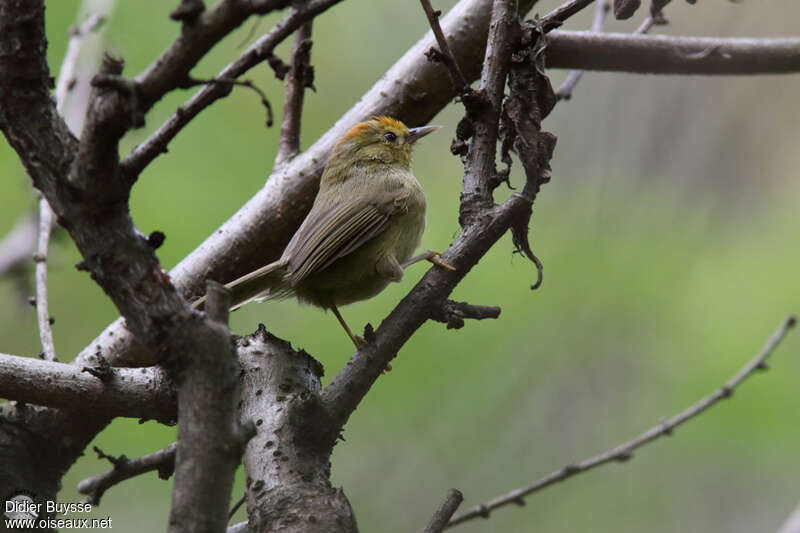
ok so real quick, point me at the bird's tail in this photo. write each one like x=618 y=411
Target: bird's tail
x=266 y=282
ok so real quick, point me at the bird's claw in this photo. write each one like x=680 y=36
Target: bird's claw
x=359 y=341
x=437 y=260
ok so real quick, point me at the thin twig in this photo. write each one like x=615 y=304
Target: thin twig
x=66 y=76
x=300 y=76
x=460 y=82
x=624 y=451
x=162 y=460
x=442 y=515
x=574 y=76
x=556 y=17
x=46 y=217
x=236 y=506
x=453 y=313
x=261 y=50
x=654 y=17
x=230 y=82
x=66 y=79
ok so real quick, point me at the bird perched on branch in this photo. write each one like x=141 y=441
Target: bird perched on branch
x=366 y=222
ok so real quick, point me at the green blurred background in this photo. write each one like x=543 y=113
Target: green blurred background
x=669 y=238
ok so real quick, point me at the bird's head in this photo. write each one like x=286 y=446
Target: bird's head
x=382 y=140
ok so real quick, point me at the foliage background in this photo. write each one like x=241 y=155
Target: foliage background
x=669 y=237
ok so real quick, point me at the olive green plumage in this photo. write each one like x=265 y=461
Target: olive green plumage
x=366 y=221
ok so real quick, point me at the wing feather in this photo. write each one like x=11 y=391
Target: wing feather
x=331 y=232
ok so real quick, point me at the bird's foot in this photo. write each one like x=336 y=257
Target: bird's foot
x=359 y=341
x=436 y=259
x=431 y=255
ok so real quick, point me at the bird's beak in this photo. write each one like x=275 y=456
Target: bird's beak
x=414 y=134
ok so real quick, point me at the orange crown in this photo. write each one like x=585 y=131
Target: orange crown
x=384 y=121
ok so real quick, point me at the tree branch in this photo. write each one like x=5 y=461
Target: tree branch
x=484 y=115
x=460 y=83
x=564 y=92
x=208 y=432
x=661 y=54
x=46 y=220
x=195 y=40
x=162 y=460
x=444 y=512
x=624 y=451
x=654 y=17
x=66 y=79
x=301 y=75
x=131 y=392
x=261 y=50
x=288 y=487
x=453 y=313
x=66 y=76
x=558 y=16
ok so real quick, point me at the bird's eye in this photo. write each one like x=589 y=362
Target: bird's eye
x=390 y=137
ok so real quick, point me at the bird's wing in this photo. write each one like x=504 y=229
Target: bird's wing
x=332 y=231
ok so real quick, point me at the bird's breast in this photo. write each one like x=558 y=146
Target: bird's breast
x=409 y=225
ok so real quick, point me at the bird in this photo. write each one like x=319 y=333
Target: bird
x=366 y=222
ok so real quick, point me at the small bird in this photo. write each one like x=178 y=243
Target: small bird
x=366 y=221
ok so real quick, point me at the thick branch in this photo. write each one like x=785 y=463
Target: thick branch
x=137 y=393
x=33 y=127
x=162 y=460
x=661 y=54
x=210 y=440
x=287 y=469
x=624 y=451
